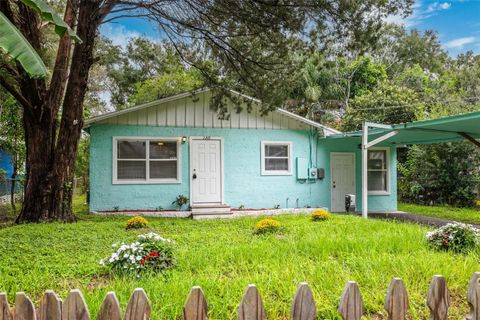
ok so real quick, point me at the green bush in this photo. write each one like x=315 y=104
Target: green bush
x=445 y=173
x=457 y=237
x=267 y=225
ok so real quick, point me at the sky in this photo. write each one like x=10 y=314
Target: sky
x=457 y=23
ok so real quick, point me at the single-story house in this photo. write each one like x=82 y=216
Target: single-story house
x=143 y=157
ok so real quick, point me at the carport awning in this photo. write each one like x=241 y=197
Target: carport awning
x=452 y=128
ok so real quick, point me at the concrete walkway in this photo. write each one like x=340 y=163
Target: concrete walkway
x=414 y=218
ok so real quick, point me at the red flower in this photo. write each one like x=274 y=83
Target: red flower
x=445 y=241
x=153 y=253
x=142 y=261
x=147 y=257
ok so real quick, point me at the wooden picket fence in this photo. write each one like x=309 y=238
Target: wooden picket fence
x=251 y=307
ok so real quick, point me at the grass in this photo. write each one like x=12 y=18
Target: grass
x=467 y=215
x=224 y=256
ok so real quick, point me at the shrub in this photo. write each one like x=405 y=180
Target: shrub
x=180 y=201
x=149 y=253
x=137 y=223
x=267 y=226
x=320 y=215
x=455 y=236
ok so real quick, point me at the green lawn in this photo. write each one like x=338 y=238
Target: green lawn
x=223 y=257
x=468 y=215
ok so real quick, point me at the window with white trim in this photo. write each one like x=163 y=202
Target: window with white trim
x=378 y=168
x=146 y=160
x=276 y=158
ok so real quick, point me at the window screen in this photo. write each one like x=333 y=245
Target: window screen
x=276 y=158
x=377 y=170
x=147 y=160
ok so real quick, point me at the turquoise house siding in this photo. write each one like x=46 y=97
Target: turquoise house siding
x=243 y=182
x=377 y=203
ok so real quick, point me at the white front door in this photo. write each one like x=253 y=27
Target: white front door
x=206 y=171
x=343 y=179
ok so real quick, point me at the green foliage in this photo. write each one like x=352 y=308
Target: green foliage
x=48 y=14
x=365 y=75
x=166 y=85
x=267 y=225
x=136 y=223
x=82 y=163
x=17 y=47
x=149 y=252
x=446 y=173
x=222 y=256
x=457 y=237
x=180 y=201
x=387 y=103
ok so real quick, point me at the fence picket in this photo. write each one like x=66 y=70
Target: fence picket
x=110 y=309
x=5 y=312
x=74 y=307
x=195 y=307
x=303 y=305
x=138 y=307
x=351 y=302
x=251 y=306
x=473 y=297
x=396 y=300
x=24 y=308
x=50 y=306
x=437 y=299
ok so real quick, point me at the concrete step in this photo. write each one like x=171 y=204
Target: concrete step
x=210 y=209
x=211 y=215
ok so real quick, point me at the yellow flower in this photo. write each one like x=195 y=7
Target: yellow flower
x=267 y=225
x=137 y=223
x=320 y=215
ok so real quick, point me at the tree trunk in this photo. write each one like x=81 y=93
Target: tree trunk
x=51 y=155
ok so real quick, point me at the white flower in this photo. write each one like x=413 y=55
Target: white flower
x=101 y=262
x=139 y=258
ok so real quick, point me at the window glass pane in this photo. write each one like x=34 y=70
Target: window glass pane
x=276 y=150
x=377 y=181
x=131 y=149
x=163 y=150
x=276 y=164
x=377 y=159
x=134 y=170
x=163 y=169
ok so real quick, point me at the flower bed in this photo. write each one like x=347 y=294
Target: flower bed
x=458 y=237
x=149 y=252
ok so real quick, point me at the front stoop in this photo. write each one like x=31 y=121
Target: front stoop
x=210 y=211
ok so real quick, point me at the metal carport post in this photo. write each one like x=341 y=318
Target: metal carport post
x=365 y=146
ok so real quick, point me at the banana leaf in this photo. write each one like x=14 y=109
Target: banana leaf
x=16 y=46
x=48 y=14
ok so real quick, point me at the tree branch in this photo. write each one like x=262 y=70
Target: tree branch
x=17 y=95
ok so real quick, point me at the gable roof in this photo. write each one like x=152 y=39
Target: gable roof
x=106 y=116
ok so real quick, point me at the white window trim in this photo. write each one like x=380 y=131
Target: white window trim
x=147 y=159
x=388 y=191
x=276 y=172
